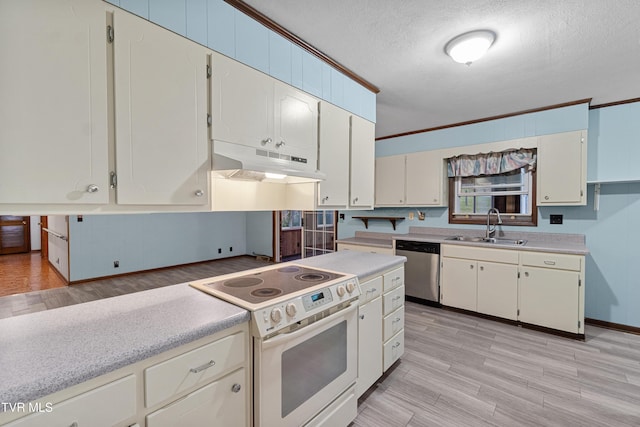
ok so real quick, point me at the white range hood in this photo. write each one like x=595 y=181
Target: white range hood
x=240 y=162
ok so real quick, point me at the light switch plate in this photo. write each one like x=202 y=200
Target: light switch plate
x=555 y=219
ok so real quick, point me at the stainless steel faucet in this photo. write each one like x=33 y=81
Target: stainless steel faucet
x=492 y=229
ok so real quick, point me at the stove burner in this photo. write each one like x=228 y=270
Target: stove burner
x=243 y=282
x=290 y=269
x=312 y=277
x=266 y=292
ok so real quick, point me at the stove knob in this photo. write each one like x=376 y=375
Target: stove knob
x=341 y=291
x=276 y=315
x=291 y=310
x=351 y=287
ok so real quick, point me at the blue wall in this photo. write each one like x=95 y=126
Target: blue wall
x=147 y=241
x=612 y=233
x=219 y=26
x=260 y=233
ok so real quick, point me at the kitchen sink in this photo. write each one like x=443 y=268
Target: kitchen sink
x=492 y=240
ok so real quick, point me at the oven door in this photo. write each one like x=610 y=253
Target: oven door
x=299 y=373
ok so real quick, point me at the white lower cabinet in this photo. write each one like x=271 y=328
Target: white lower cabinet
x=369 y=335
x=104 y=406
x=538 y=288
x=381 y=326
x=222 y=403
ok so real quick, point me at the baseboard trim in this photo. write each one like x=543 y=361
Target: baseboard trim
x=610 y=325
x=93 y=279
x=58 y=273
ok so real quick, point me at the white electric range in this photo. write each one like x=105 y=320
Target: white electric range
x=304 y=324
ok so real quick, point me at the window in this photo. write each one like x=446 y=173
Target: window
x=290 y=219
x=512 y=193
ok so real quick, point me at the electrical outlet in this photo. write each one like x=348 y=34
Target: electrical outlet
x=79 y=218
x=116 y=264
x=219 y=250
x=230 y=249
x=410 y=216
x=555 y=219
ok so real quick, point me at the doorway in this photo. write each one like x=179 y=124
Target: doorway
x=303 y=234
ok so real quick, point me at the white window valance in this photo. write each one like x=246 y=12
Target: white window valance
x=491 y=163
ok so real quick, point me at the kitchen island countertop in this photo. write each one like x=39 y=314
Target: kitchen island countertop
x=45 y=352
x=362 y=264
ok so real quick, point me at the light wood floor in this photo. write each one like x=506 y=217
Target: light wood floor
x=459 y=370
x=20 y=273
x=30 y=302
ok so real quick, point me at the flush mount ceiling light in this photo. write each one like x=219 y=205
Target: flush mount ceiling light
x=471 y=46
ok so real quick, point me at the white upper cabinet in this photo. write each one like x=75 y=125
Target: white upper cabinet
x=426 y=183
x=252 y=109
x=562 y=169
x=160 y=82
x=390 y=180
x=334 y=156
x=362 y=156
x=53 y=109
x=242 y=104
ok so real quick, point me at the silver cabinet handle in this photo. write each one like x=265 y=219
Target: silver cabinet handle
x=202 y=367
x=280 y=144
x=266 y=141
x=550 y=262
x=236 y=388
x=199 y=193
x=92 y=188
x=396 y=345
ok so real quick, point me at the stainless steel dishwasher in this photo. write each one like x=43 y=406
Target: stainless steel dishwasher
x=421 y=272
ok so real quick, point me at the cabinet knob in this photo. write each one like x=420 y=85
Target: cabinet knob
x=325 y=199
x=471 y=266
x=481 y=268
x=199 y=193
x=92 y=188
x=280 y=144
x=526 y=274
x=236 y=388
x=400 y=200
x=546 y=197
x=355 y=200
x=266 y=141
x=73 y=424
x=362 y=317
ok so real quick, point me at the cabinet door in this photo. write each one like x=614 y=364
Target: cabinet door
x=498 y=289
x=369 y=345
x=53 y=113
x=242 y=104
x=334 y=156
x=549 y=298
x=161 y=115
x=390 y=181
x=223 y=403
x=361 y=168
x=458 y=284
x=296 y=123
x=425 y=181
x=562 y=160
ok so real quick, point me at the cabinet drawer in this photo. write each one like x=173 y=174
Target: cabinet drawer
x=393 y=279
x=171 y=377
x=365 y=248
x=393 y=349
x=104 y=406
x=393 y=323
x=480 y=254
x=393 y=300
x=222 y=403
x=371 y=289
x=547 y=260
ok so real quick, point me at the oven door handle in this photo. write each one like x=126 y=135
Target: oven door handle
x=334 y=318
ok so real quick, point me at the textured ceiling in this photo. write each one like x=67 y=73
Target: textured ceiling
x=547 y=52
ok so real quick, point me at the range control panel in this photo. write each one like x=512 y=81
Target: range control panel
x=284 y=314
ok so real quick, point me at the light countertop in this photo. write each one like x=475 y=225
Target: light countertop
x=44 y=352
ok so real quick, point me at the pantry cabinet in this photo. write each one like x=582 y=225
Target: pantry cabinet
x=362 y=163
x=160 y=84
x=53 y=113
x=334 y=156
x=562 y=169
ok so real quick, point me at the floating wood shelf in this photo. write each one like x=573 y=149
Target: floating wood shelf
x=366 y=219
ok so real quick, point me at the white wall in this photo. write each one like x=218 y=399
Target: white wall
x=36 y=243
x=58 y=248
